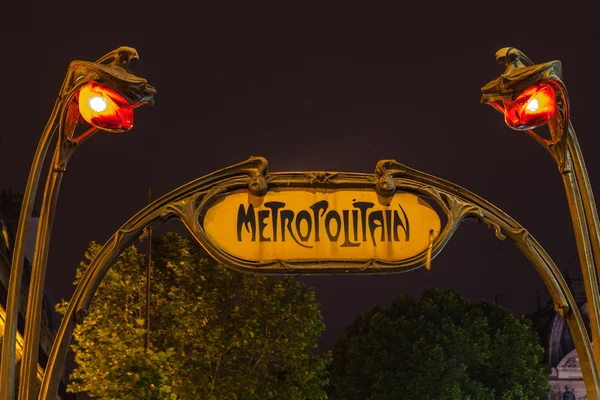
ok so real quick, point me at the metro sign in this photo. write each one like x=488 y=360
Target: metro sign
x=313 y=225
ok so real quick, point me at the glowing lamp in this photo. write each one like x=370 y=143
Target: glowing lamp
x=533 y=108
x=104 y=108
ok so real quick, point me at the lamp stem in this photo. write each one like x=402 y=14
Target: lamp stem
x=583 y=209
x=585 y=244
x=8 y=358
x=31 y=338
x=587 y=194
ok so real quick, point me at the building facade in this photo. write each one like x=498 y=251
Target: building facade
x=565 y=377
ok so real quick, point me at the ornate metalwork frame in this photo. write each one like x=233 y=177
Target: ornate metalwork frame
x=187 y=202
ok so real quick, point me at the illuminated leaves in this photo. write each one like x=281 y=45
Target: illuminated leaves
x=215 y=333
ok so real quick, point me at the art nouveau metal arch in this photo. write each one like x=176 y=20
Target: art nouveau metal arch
x=188 y=203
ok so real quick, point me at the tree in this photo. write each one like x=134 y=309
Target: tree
x=215 y=333
x=440 y=347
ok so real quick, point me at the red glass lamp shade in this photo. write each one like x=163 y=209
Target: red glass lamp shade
x=532 y=109
x=104 y=108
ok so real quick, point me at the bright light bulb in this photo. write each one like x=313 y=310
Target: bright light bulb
x=104 y=108
x=533 y=105
x=532 y=108
x=97 y=103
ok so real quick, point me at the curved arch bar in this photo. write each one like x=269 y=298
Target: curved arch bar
x=461 y=204
x=161 y=209
x=188 y=201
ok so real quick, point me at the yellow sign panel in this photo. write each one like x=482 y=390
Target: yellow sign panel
x=339 y=224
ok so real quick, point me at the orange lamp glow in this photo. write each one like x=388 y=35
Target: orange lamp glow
x=532 y=109
x=104 y=108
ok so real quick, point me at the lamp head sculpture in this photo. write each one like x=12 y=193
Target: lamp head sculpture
x=104 y=93
x=526 y=93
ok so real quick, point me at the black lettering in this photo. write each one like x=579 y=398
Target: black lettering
x=347 y=242
x=376 y=221
x=300 y=226
x=363 y=206
x=355 y=224
x=318 y=206
x=333 y=215
x=275 y=206
x=287 y=216
x=262 y=215
x=246 y=219
x=303 y=216
x=398 y=222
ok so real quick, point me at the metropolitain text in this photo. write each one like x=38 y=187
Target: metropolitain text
x=351 y=227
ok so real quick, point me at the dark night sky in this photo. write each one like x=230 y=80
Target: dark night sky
x=309 y=87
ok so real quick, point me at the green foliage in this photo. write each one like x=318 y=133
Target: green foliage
x=215 y=333
x=441 y=347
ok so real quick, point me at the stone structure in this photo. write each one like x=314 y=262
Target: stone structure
x=565 y=378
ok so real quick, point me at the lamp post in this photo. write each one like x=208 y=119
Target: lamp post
x=103 y=94
x=530 y=96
